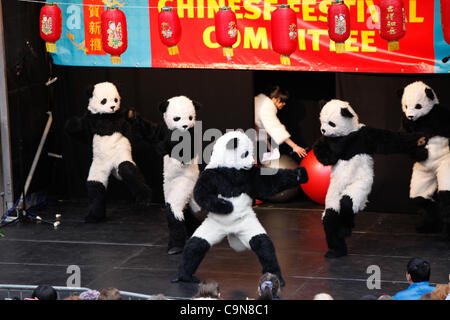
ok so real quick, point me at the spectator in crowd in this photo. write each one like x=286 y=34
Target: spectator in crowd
x=269 y=287
x=109 y=294
x=441 y=292
x=44 y=292
x=72 y=298
x=158 y=296
x=208 y=290
x=323 y=296
x=385 y=297
x=89 y=295
x=426 y=296
x=418 y=275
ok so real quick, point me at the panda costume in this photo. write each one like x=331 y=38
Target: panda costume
x=347 y=145
x=431 y=172
x=225 y=189
x=180 y=170
x=111 y=131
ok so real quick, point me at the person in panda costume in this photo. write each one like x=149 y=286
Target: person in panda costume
x=431 y=172
x=180 y=170
x=109 y=126
x=348 y=145
x=225 y=189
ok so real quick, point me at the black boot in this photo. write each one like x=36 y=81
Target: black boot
x=429 y=213
x=133 y=178
x=347 y=215
x=96 y=194
x=264 y=249
x=335 y=232
x=444 y=203
x=177 y=232
x=191 y=222
x=193 y=254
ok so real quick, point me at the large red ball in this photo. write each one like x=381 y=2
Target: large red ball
x=318 y=178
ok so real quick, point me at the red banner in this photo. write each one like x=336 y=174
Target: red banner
x=92 y=12
x=365 y=50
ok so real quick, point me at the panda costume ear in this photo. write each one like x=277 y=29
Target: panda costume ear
x=90 y=91
x=197 y=105
x=232 y=144
x=163 y=106
x=322 y=102
x=400 y=92
x=346 y=113
x=429 y=93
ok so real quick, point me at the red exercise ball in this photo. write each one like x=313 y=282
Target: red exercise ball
x=318 y=178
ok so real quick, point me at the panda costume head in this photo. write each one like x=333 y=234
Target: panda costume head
x=338 y=119
x=418 y=100
x=232 y=150
x=179 y=113
x=104 y=98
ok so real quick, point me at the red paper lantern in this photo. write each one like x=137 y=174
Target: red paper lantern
x=284 y=32
x=445 y=19
x=50 y=25
x=170 y=29
x=392 y=22
x=226 y=30
x=114 y=33
x=339 y=24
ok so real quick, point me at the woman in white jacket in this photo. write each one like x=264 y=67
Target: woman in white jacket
x=267 y=123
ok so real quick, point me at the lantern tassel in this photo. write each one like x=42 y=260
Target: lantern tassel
x=393 y=45
x=340 y=47
x=50 y=46
x=285 y=60
x=116 y=60
x=173 y=50
x=228 y=52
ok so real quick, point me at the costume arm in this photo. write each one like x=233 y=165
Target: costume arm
x=206 y=196
x=388 y=142
x=323 y=152
x=266 y=182
x=78 y=128
x=272 y=124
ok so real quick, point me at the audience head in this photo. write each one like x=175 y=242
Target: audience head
x=89 y=295
x=268 y=287
x=385 y=297
x=208 y=289
x=441 y=292
x=44 y=292
x=323 y=296
x=109 y=294
x=418 y=270
x=426 y=296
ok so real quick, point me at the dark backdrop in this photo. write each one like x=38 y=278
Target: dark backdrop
x=226 y=95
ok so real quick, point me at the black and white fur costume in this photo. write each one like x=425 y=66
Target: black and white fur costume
x=348 y=145
x=109 y=127
x=225 y=189
x=180 y=170
x=431 y=172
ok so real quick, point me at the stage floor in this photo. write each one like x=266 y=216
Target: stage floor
x=128 y=251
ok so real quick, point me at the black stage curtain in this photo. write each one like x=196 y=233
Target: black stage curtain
x=225 y=96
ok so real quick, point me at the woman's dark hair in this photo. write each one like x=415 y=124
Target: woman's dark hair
x=279 y=93
x=44 y=292
x=269 y=286
x=208 y=289
x=419 y=270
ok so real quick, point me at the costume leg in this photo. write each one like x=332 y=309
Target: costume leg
x=135 y=181
x=96 y=184
x=443 y=177
x=263 y=247
x=208 y=234
x=422 y=188
x=191 y=222
x=177 y=232
x=335 y=232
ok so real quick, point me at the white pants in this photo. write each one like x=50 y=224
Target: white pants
x=240 y=226
x=429 y=176
x=108 y=153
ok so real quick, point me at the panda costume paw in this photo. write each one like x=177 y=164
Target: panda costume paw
x=226 y=189
x=111 y=134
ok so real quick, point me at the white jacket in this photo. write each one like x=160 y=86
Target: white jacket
x=266 y=119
